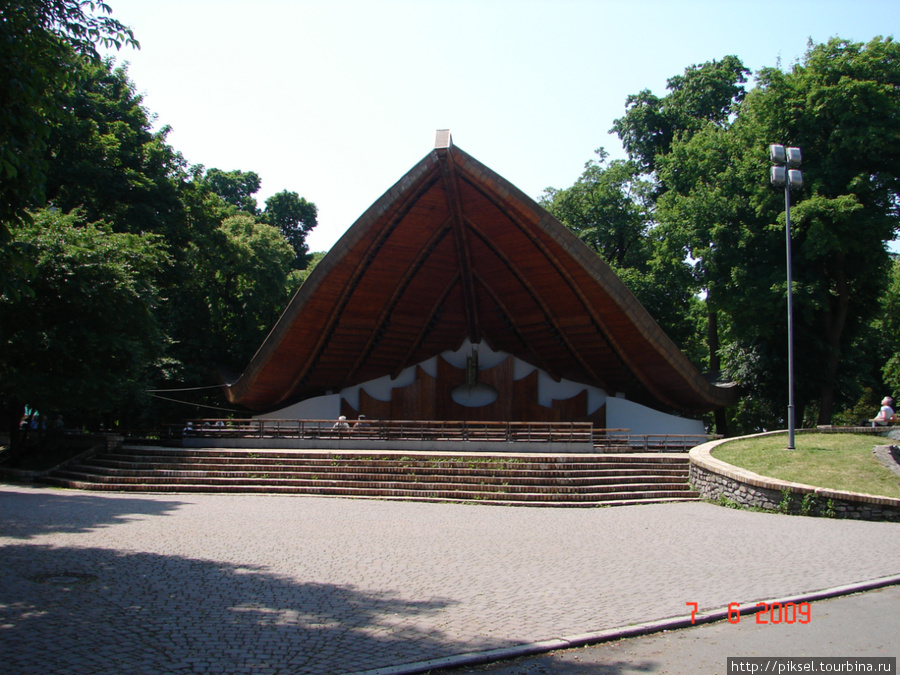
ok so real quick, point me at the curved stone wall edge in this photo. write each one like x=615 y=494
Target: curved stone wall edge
x=715 y=479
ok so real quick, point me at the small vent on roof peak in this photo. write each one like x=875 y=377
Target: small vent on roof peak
x=442 y=139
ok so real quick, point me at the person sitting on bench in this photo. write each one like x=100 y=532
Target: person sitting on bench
x=885 y=416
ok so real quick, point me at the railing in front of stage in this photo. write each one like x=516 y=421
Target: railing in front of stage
x=435 y=430
x=393 y=430
x=612 y=438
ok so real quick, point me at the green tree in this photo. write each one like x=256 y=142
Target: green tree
x=295 y=218
x=705 y=143
x=86 y=341
x=610 y=208
x=705 y=221
x=104 y=157
x=37 y=39
x=302 y=275
x=243 y=277
x=888 y=323
x=837 y=106
x=226 y=278
x=236 y=188
x=708 y=93
x=705 y=98
x=231 y=277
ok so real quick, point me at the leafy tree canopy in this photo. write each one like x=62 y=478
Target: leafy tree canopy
x=106 y=160
x=87 y=338
x=838 y=105
x=245 y=273
x=112 y=181
x=709 y=92
x=890 y=328
x=236 y=188
x=295 y=218
x=707 y=231
x=610 y=208
x=37 y=39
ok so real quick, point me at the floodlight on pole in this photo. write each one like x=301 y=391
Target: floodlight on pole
x=786 y=174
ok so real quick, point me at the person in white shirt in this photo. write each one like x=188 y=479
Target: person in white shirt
x=885 y=416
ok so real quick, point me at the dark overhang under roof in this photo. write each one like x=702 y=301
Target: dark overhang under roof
x=452 y=251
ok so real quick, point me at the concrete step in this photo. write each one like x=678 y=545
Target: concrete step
x=439 y=493
x=486 y=484
x=502 y=479
x=385 y=473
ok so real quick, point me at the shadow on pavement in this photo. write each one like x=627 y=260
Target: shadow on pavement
x=73 y=610
x=69 y=511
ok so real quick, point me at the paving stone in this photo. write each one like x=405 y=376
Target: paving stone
x=186 y=583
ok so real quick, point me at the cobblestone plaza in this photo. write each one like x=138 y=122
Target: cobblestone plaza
x=191 y=583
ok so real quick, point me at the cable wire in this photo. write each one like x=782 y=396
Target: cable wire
x=196 y=405
x=216 y=386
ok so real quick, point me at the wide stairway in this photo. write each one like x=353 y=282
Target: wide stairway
x=527 y=480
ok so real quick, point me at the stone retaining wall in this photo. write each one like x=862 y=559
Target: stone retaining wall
x=719 y=481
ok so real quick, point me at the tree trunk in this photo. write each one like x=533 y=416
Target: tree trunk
x=835 y=319
x=712 y=339
x=721 y=422
x=715 y=363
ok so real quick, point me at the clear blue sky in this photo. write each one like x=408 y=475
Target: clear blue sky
x=336 y=100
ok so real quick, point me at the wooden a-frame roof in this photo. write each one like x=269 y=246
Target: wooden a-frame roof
x=452 y=251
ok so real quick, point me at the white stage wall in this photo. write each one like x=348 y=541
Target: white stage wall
x=620 y=413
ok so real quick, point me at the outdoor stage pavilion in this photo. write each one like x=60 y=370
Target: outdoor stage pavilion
x=457 y=297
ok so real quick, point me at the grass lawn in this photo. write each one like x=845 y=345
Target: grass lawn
x=836 y=461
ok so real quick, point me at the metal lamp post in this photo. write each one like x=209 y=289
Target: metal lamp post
x=786 y=174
